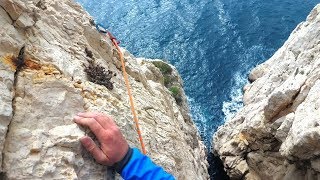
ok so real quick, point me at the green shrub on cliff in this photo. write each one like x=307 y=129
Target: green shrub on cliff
x=175 y=90
x=176 y=93
x=169 y=80
x=164 y=67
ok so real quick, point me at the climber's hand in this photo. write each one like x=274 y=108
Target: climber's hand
x=113 y=145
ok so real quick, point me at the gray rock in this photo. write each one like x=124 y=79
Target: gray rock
x=278 y=128
x=24 y=21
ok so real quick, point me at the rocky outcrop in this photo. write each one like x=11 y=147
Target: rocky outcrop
x=276 y=135
x=57 y=75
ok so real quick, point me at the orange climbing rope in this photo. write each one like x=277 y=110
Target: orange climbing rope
x=125 y=75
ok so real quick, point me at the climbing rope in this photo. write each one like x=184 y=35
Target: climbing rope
x=125 y=75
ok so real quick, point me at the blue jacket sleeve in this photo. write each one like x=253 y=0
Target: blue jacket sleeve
x=141 y=167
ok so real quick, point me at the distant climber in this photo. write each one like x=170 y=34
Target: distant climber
x=114 y=150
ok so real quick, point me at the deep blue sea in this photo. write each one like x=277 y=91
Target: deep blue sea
x=213 y=43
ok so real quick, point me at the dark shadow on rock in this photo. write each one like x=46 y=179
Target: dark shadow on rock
x=216 y=169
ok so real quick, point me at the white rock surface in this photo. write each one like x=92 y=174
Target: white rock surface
x=38 y=139
x=277 y=133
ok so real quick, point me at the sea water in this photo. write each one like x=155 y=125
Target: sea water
x=213 y=43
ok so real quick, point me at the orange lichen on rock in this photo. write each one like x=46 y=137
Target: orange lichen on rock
x=23 y=62
x=13 y=63
x=42 y=70
x=30 y=64
x=10 y=61
x=45 y=72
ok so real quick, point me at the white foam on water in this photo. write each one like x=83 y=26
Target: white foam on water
x=230 y=108
x=239 y=79
x=201 y=121
x=197 y=114
x=223 y=16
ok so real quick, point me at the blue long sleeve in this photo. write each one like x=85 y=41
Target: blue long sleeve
x=141 y=167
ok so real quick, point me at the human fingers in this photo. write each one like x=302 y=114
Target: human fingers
x=104 y=120
x=94 y=150
x=94 y=126
x=88 y=114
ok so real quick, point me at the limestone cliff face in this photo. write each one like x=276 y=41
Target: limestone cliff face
x=277 y=133
x=40 y=94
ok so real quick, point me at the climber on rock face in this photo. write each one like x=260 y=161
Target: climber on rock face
x=114 y=150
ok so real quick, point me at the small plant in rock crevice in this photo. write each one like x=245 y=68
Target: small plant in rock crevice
x=99 y=75
x=176 y=93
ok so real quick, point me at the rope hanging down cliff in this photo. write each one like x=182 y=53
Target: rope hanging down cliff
x=116 y=43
